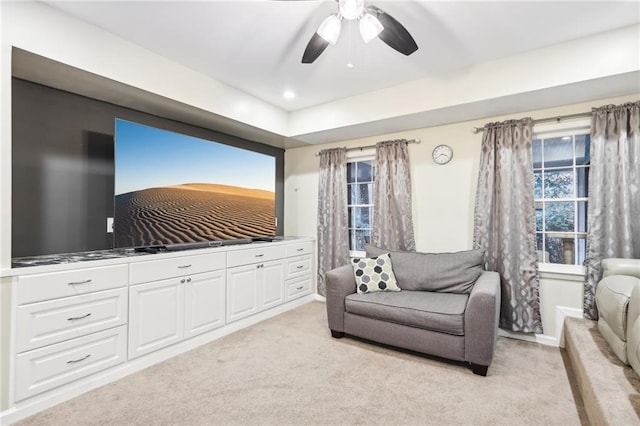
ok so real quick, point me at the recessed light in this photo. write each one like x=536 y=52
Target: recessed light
x=350 y=65
x=289 y=94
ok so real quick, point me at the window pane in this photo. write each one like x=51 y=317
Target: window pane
x=365 y=193
x=558 y=152
x=359 y=239
x=558 y=183
x=360 y=217
x=559 y=216
x=539 y=241
x=553 y=248
x=537 y=184
x=582 y=216
x=582 y=149
x=365 y=171
x=583 y=181
x=351 y=172
x=581 y=250
x=536 y=148
x=352 y=194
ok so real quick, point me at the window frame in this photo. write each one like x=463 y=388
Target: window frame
x=557 y=130
x=367 y=154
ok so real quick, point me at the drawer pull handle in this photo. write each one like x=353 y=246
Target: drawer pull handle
x=184 y=266
x=300 y=288
x=300 y=267
x=79 y=282
x=260 y=266
x=300 y=249
x=79 y=318
x=260 y=255
x=73 y=361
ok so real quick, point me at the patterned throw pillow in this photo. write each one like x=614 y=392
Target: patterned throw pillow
x=374 y=274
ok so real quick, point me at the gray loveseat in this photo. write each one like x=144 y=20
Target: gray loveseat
x=448 y=306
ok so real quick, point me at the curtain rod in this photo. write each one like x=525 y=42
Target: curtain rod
x=372 y=146
x=557 y=119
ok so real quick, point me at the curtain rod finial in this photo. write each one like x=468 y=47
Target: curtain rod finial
x=475 y=130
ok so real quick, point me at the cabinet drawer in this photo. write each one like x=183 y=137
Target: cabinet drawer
x=43 y=369
x=297 y=265
x=298 y=287
x=254 y=255
x=53 y=321
x=35 y=288
x=298 y=249
x=154 y=270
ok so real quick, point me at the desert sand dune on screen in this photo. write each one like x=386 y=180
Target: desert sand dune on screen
x=192 y=212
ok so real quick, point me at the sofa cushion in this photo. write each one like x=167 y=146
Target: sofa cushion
x=441 y=312
x=442 y=272
x=374 y=274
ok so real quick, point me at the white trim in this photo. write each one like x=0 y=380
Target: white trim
x=30 y=406
x=557 y=339
x=561 y=313
x=561 y=271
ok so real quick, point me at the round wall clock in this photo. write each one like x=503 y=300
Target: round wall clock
x=442 y=154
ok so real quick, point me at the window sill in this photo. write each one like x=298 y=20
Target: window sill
x=559 y=271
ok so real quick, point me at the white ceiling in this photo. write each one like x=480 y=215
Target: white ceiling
x=256 y=45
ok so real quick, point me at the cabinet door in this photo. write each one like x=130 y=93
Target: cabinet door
x=156 y=316
x=204 y=302
x=242 y=292
x=271 y=281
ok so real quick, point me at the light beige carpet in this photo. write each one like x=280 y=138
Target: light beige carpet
x=288 y=370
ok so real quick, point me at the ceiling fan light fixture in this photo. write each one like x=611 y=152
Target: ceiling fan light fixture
x=351 y=9
x=330 y=29
x=370 y=27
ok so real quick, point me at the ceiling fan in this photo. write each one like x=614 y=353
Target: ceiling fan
x=373 y=22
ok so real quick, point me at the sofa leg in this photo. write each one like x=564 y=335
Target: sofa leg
x=337 y=334
x=480 y=370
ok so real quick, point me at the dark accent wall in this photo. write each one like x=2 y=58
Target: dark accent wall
x=63 y=168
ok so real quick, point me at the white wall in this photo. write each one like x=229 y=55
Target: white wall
x=443 y=196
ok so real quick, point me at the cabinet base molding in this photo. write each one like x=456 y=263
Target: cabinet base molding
x=25 y=408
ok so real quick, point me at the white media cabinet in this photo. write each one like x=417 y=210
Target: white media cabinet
x=78 y=326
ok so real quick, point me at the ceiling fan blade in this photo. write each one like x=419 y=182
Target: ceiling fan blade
x=394 y=34
x=315 y=47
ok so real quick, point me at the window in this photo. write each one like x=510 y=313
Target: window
x=561 y=175
x=360 y=174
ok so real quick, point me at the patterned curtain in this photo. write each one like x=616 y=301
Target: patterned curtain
x=504 y=221
x=392 y=216
x=614 y=192
x=333 y=231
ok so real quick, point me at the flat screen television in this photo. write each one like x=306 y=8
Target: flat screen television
x=173 y=189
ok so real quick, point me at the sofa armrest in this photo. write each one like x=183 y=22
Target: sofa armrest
x=621 y=266
x=339 y=284
x=481 y=319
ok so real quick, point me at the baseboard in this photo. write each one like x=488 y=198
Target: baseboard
x=542 y=339
x=23 y=409
x=320 y=298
